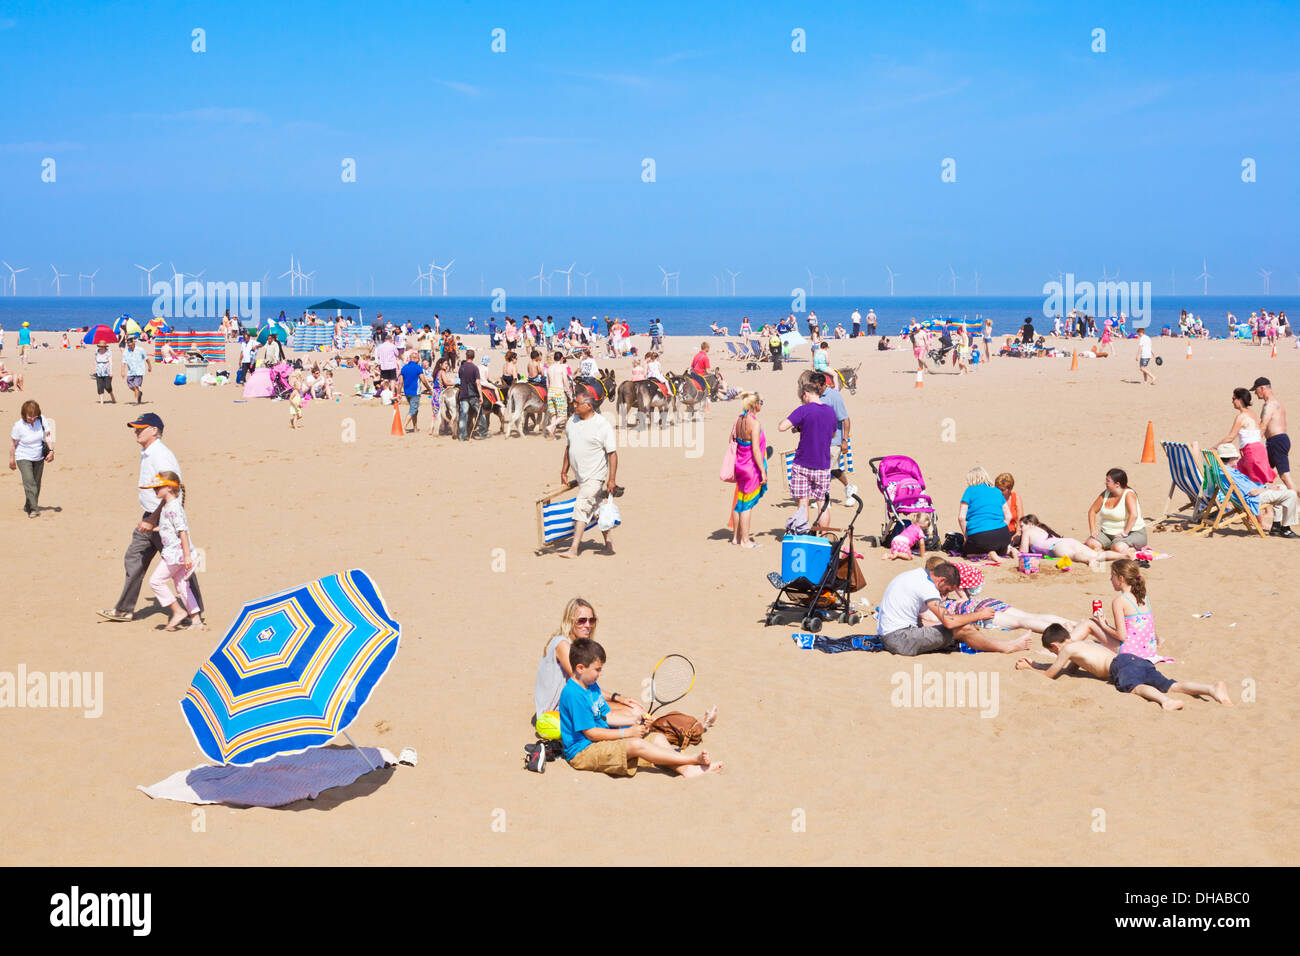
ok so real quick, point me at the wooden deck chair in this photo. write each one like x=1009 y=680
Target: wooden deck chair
x=739 y=354
x=555 y=516
x=1185 y=476
x=1234 y=504
x=758 y=351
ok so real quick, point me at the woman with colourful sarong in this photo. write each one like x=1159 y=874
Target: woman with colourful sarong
x=751 y=467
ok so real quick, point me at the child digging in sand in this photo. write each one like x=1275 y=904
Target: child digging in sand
x=1129 y=673
x=590 y=743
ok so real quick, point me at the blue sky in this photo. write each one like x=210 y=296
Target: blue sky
x=767 y=161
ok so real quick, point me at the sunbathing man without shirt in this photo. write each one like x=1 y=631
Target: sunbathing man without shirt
x=1130 y=674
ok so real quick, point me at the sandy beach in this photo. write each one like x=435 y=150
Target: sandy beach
x=821 y=767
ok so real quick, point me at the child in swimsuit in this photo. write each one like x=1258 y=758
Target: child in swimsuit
x=912 y=536
x=1133 y=630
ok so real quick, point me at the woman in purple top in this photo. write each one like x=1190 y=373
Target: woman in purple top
x=810 y=477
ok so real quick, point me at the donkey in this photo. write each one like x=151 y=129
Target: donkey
x=688 y=394
x=525 y=407
x=841 y=378
x=645 y=398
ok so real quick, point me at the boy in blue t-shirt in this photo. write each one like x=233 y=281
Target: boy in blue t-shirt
x=590 y=743
x=412 y=378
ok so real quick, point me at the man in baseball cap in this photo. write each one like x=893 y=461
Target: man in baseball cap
x=155 y=457
x=1272 y=422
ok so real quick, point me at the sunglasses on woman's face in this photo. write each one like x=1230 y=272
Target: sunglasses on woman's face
x=584 y=620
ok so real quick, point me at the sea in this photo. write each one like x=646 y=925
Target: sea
x=681 y=315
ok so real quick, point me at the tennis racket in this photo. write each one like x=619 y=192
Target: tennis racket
x=673 y=678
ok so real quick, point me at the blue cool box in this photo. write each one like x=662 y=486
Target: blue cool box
x=804 y=556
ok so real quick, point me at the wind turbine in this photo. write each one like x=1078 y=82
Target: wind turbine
x=953 y=273
x=13 y=277
x=584 y=280
x=828 y=283
x=1205 y=275
x=667 y=275
x=1265 y=273
x=291 y=274
x=91 y=278
x=147 y=278
x=308 y=280
x=266 y=278
x=812 y=281
x=420 y=276
x=892 y=276
x=568 y=278
x=733 y=282
x=1108 y=278
x=977 y=281
x=443 y=269
x=58 y=288
x=541 y=279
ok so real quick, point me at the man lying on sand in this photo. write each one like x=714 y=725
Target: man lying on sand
x=590 y=743
x=1129 y=673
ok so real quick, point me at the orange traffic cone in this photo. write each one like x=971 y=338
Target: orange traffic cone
x=1149 y=448
x=1274 y=355
x=920 y=379
x=1074 y=362
x=1189 y=349
x=397 y=422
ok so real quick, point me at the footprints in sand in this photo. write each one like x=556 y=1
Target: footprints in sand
x=383 y=726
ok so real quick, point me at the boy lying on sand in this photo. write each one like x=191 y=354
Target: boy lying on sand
x=590 y=743
x=1131 y=674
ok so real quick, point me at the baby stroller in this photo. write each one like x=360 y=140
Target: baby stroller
x=280 y=387
x=818 y=575
x=901 y=483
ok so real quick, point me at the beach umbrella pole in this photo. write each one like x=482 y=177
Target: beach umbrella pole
x=360 y=751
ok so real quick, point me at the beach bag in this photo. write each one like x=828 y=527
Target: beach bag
x=607 y=517
x=728 y=470
x=953 y=542
x=682 y=730
x=180 y=379
x=798 y=522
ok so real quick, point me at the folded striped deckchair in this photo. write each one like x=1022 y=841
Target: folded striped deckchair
x=845 y=463
x=1184 y=476
x=555 y=516
x=1234 y=496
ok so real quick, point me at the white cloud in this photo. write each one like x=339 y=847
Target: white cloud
x=462 y=87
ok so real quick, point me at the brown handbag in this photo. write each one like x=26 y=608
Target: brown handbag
x=682 y=730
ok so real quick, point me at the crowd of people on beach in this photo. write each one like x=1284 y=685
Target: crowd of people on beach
x=932 y=608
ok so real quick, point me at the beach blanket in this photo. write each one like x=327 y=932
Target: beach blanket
x=258 y=384
x=282 y=780
x=836 y=645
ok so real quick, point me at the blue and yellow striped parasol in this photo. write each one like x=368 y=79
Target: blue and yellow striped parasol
x=293 y=670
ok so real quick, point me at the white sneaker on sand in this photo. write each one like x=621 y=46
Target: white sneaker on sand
x=849 y=492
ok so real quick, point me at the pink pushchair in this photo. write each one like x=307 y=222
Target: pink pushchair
x=902 y=485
